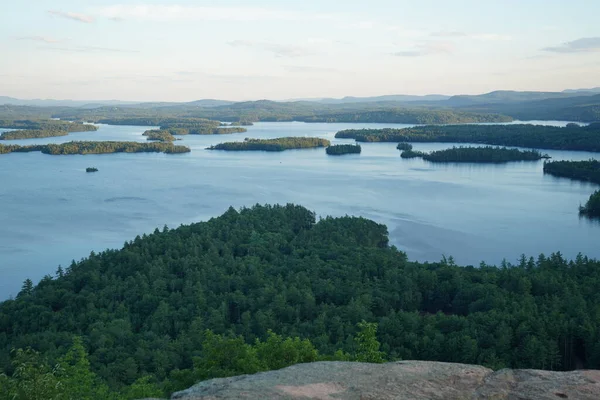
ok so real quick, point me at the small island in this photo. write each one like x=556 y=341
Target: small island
x=592 y=207
x=404 y=146
x=91 y=169
x=488 y=154
x=159 y=135
x=277 y=144
x=97 y=148
x=42 y=129
x=586 y=171
x=340 y=149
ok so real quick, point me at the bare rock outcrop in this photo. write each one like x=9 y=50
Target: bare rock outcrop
x=413 y=380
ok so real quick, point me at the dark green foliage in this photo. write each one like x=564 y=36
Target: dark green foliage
x=485 y=154
x=159 y=135
x=97 y=148
x=278 y=144
x=588 y=171
x=340 y=149
x=91 y=169
x=404 y=146
x=31 y=129
x=407 y=116
x=532 y=136
x=592 y=207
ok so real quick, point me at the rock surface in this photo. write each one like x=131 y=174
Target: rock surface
x=399 y=380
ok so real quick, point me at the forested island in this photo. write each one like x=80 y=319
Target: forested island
x=404 y=146
x=277 y=144
x=96 y=148
x=587 y=171
x=159 y=135
x=34 y=129
x=592 y=207
x=265 y=287
x=572 y=137
x=340 y=149
x=91 y=169
x=487 y=154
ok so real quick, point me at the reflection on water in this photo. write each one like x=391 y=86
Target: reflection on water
x=52 y=211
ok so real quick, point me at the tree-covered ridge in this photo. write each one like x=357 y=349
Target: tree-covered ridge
x=96 y=148
x=159 y=135
x=592 y=207
x=277 y=144
x=144 y=310
x=588 y=171
x=340 y=149
x=572 y=137
x=407 y=116
x=32 y=129
x=487 y=154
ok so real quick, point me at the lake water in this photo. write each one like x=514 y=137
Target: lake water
x=52 y=211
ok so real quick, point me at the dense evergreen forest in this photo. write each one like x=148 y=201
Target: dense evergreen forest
x=277 y=144
x=404 y=146
x=340 y=149
x=592 y=207
x=96 y=148
x=32 y=129
x=572 y=137
x=222 y=297
x=159 y=135
x=587 y=171
x=487 y=154
x=403 y=116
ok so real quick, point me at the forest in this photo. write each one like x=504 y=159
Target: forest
x=587 y=171
x=487 y=154
x=159 y=135
x=33 y=129
x=572 y=137
x=592 y=207
x=96 y=148
x=277 y=144
x=172 y=307
x=340 y=149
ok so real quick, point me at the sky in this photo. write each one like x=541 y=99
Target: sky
x=183 y=50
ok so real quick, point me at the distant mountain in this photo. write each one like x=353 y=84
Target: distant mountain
x=399 y=98
x=63 y=103
x=507 y=96
x=591 y=90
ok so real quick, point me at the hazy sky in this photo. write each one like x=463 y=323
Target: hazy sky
x=185 y=50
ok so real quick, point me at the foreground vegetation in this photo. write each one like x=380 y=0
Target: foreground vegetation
x=33 y=129
x=221 y=298
x=96 y=148
x=573 y=137
x=487 y=154
x=587 y=171
x=278 y=144
x=592 y=207
x=340 y=149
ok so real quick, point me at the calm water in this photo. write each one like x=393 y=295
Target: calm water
x=52 y=211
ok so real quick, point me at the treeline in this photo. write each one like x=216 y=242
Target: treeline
x=572 y=137
x=340 y=149
x=33 y=129
x=277 y=144
x=96 y=148
x=592 y=207
x=407 y=116
x=487 y=154
x=587 y=171
x=143 y=311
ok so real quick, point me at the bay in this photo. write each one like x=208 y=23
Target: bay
x=52 y=211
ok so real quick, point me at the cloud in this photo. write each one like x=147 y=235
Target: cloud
x=43 y=39
x=475 y=36
x=583 y=45
x=426 y=49
x=156 y=12
x=73 y=16
x=280 y=50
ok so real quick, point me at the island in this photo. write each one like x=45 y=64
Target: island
x=488 y=154
x=572 y=137
x=586 y=171
x=159 y=135
x=592 y=207
x=97 y=148
x=277 y=144
x=91 y=169
x=340 y=149
x=42 y=129
x=404 y=146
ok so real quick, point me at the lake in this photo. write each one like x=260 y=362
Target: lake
x=52 y=211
